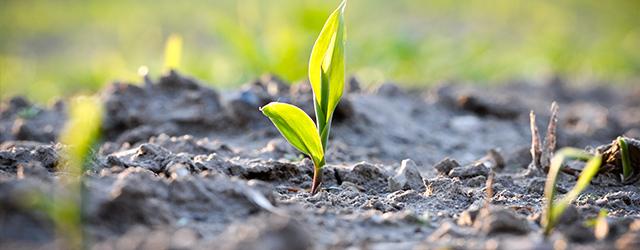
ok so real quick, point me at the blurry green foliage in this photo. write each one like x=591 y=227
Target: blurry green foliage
x=65 y=205
x=50 y=48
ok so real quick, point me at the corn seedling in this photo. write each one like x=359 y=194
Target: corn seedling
x=554 y=210
x=624 y=156
x=79 y=135
x=326 y=75
x=81 y=132
x=172 y=52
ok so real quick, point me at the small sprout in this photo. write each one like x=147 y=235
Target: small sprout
x=80 y=133
x=553 y=209
x=326 y=74
x=172 y=52
x=627 y=171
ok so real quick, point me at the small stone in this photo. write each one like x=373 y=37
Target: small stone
x=577 y=232
x=389 y=89
x=497 y=220
x=407 y=177
x=470 y=171
x=371 y=177
x=468 y=217
x=536 y=185
x=178 y=170
x=569 y=216
x=478 y=181
x=444 y=167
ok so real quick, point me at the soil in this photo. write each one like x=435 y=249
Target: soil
x=184 y=166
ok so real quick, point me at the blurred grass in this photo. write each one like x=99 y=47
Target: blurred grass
x=57 y=48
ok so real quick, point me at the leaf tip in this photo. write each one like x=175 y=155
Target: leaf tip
x=342 y=6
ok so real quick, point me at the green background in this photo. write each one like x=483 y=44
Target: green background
x=50 y=49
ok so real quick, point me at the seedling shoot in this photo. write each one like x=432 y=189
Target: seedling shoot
x=326 y=75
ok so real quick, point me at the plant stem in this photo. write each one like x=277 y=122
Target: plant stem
x=317 y=180
x=317 y=177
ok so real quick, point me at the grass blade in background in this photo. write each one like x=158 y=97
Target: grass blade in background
x=81 y=131
x=79 y=135
x=173 y=52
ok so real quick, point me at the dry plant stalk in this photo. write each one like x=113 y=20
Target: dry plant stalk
x=535 y=141
x=489 y=188
x=542 y=153
x=549 y=145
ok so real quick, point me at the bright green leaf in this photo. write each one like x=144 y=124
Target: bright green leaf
x=326 y=68
x=297 y=127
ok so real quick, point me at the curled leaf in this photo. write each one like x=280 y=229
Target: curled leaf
x=326 y=69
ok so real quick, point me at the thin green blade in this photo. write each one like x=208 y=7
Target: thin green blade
x=624 y=156
x=297 y=127
x=590 y=170
x=327 y=59
x=553 y=210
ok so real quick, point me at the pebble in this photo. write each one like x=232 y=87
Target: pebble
x=444 y=167
x=469 y=171
x=407 y=177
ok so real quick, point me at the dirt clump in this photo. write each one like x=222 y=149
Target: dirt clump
x=181 y=165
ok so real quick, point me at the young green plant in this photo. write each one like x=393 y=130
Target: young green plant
x=65 y=207
x=326 y=75
x=553 y=210
x=624 y=156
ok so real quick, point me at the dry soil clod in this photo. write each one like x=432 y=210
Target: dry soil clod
x=407 y=177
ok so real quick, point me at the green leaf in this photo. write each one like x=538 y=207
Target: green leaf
x=555 y=209
x=297 y=127
x=624 y=156
x=326 y=67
